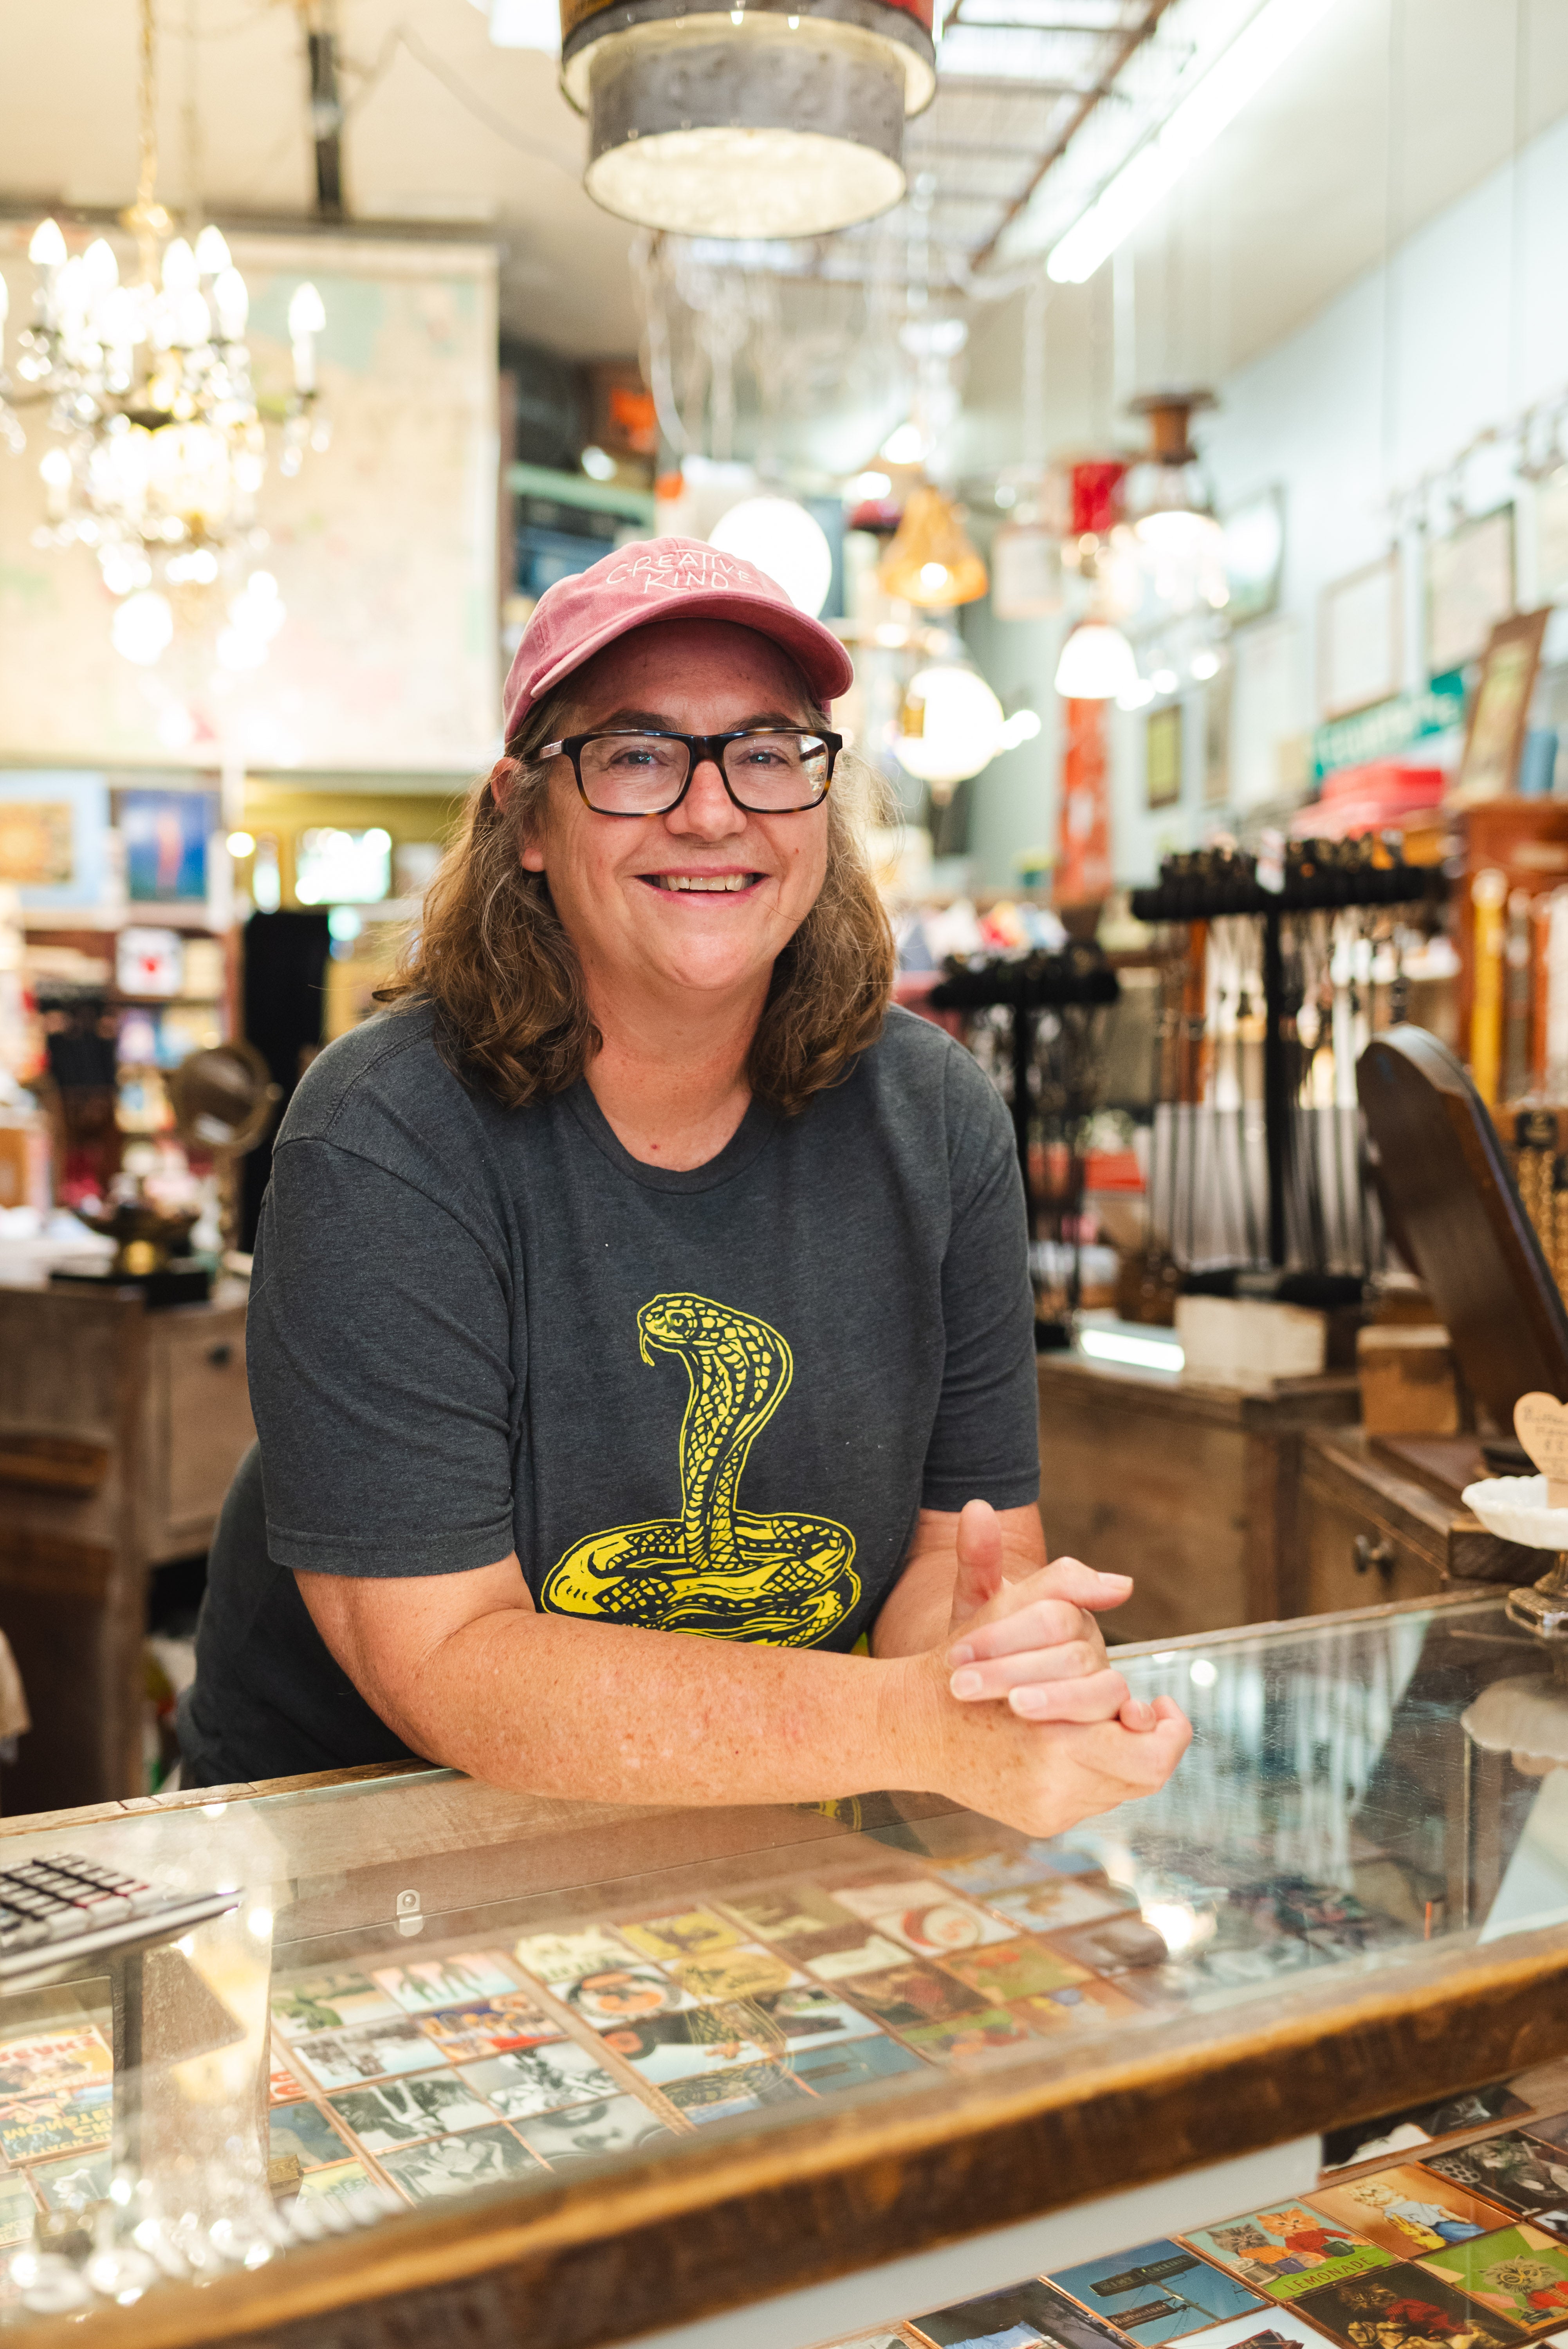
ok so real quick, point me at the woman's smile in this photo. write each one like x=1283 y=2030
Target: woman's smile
x=731 y=882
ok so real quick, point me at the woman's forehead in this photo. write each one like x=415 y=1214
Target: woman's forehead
x=672 y=663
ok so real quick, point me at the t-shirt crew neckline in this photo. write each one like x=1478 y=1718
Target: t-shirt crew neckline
x=751 y=1136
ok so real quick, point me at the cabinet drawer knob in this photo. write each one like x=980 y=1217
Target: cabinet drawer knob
x=220 y=1354
x=1374 y=1555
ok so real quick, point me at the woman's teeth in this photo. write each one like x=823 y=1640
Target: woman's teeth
x=725 y=881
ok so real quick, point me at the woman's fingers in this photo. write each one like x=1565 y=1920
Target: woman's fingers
x=1067 y=1584
x=1094 y=1696
x=1065 y=1660
x=1046 y=1623
x=1085 y=1586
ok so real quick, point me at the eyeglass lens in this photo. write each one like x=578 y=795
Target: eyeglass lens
x=638 y=774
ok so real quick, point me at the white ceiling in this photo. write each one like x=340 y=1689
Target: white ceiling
x=1293 y=201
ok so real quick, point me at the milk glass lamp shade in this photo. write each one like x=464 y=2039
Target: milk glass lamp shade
x=950 y=726
x=1097 y=664
x=930 y=562
x=742 y=122
x=782 y=539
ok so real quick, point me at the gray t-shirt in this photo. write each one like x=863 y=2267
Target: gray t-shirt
x=709 y=1402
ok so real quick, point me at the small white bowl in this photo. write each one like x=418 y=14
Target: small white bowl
x=1514 y=1509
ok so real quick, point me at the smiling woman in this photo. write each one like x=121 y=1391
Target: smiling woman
x=536 y=861
x=641 y=1343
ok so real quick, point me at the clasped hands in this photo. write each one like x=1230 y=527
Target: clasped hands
x=1034 y=1644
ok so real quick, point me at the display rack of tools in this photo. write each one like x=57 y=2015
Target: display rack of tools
x=1282 y=975
x=1053 y=1009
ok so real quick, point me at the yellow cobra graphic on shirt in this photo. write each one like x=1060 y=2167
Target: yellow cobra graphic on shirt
x=715 y=1570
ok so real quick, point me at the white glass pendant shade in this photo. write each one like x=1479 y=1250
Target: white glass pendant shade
x=1184 y=550
x=950 y=726
x=782 y=539
x=720 y=180
x=1097 y=664
x=743 y=124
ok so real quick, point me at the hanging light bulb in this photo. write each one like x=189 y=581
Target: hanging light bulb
x=782 y=539
x=930 y=562
x=951 y=726
x=1097 y=664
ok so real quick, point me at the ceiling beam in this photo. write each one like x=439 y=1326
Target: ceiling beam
x=1134 y=41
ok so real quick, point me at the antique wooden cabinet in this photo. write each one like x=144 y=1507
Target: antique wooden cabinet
x=119 y=1430
x=1193 y=1490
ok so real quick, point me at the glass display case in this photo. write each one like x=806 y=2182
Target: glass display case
x=466 y=2064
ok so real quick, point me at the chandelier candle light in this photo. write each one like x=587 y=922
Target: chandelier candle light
x=162 y=449
x=735 y=121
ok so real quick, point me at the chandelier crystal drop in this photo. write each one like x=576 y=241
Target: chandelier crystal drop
x=162 y=449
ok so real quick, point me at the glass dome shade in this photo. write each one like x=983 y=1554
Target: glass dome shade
x=950 y=726
x=930 y=562
x=1097 y=664
x=784 y=540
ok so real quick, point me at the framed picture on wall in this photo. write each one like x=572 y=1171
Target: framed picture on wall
x=1255 y=556
x=165 y=836
x=1470 y=588
x=53 y=827
x=1162 y=755
x=1217 y=695
x=1361 y=638
x=1552 y=538
x=1501 y=710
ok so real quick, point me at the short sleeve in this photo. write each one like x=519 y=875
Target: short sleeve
x=379 y=1348
x=985 y=1444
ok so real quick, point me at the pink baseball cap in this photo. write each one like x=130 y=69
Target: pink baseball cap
x=662 y=579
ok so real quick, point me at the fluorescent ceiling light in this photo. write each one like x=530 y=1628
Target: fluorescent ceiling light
x=1142 y=1353
x=1278 y=26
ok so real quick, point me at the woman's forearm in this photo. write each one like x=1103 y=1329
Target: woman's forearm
x=591 y=1711
x=467 y=1673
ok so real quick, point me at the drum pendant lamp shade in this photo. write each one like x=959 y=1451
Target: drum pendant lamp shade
x=930 y=562
x=746 y=122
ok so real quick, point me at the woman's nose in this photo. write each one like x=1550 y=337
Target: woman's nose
x=707 y=809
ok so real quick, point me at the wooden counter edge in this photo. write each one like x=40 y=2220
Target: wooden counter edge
x=627 y=2251
x=187 y=1798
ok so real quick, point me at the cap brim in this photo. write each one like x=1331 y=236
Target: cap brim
x=826 y=665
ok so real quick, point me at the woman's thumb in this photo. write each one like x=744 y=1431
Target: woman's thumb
x=979 y=1574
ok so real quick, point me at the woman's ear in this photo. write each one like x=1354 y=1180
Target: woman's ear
x=531 y=838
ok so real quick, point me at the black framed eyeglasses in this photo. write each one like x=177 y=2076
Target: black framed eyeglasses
x=766 y=770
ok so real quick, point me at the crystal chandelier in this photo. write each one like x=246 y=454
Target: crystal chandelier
x=162 y=449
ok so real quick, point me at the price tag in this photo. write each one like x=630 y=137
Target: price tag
x=1541 y=1423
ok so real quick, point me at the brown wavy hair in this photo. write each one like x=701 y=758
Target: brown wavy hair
x=492 y=954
